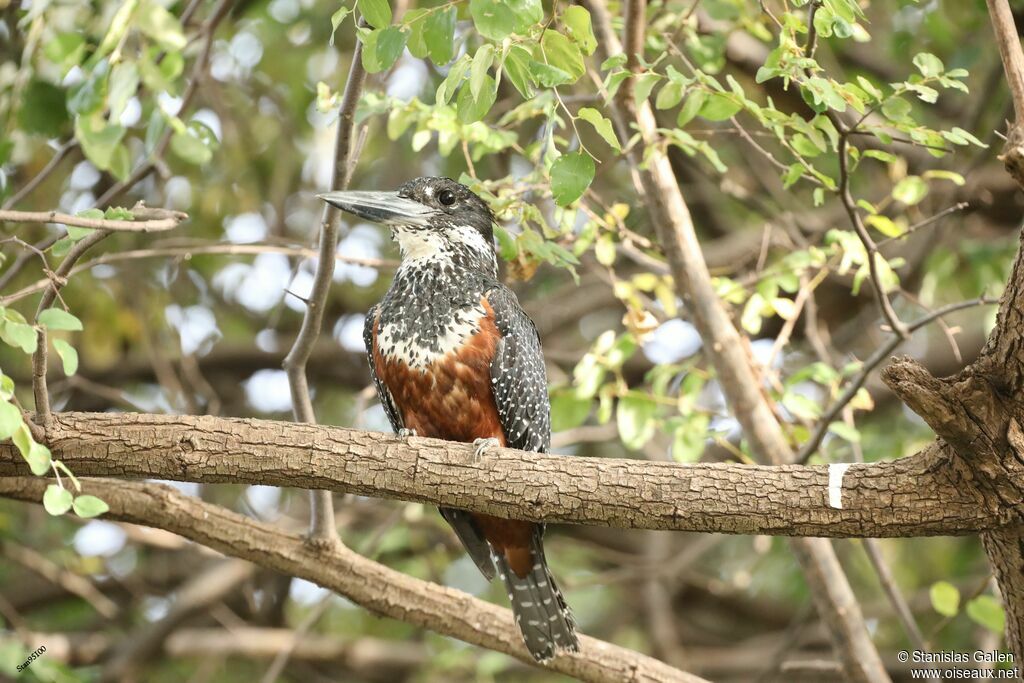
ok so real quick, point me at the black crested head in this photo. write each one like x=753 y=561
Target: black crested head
x=453 y=204
x=435 y=221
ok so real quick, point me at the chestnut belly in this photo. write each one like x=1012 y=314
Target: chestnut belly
x=451 y=397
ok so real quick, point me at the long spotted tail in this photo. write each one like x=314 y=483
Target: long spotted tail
x=540 y=610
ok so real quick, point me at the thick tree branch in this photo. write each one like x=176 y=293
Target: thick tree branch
x=915 y=496
x=364 y=582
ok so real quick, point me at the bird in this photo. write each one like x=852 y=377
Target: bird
x=454 y=356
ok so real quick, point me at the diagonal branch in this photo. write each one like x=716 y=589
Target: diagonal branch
x=377 y=588
x=728 y=352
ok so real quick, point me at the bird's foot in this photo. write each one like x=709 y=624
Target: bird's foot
x=482 y=446
x=404 y=433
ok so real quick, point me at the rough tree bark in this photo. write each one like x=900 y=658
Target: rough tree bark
x=925 y=494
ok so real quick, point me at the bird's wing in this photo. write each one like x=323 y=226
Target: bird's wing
x=518 y=378
x=386 y=400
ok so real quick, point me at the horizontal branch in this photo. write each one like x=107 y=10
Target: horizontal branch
x=915 y=496
x=144 y=219
x=369 y=655
x=365 y=582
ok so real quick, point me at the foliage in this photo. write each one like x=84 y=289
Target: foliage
x=778 y=139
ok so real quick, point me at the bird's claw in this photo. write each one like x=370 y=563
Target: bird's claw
x=484 y=445
x=406 y=433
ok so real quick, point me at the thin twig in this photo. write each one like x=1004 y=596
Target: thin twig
x=812 y=36
x=157 y=220
x=45 y=173
x=880 y=354
x=931 y=220
x=188 y=251
x=322 y=529
x=865 y=237
x=69 y=581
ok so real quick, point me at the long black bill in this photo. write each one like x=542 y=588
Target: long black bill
x=380 y=207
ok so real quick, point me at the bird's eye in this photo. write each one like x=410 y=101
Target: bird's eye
x=446 y=197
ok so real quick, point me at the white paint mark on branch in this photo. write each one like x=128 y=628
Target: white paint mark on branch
x=836 y=472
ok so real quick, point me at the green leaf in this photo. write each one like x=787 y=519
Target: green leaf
x=896 y=108
x=119 y=24
x=604 y=249
x=58 y=319
x=951 y=176
x=336 y=20
x=577 y=21
x=19 y=334
x=162 y=76
x=493 y=19
x=910 y=190
x=885 y=225
x=694 y=103
x=886 y=157
x=670 y=95
x=389 y=45
x=602 y=125
x=6 y=388
x=68 y=356
x=986 y=611
x=43 y=109
x=561 y=53
x=928 y=64
x=472 y=109
x=481 y=65
x=38 y=458
x=376 y=12
x=195 y=144
x=507 y=248
x=959 y=136
x=439 y=35
x=571 y=175
x=99 y=139
x=57 y=500
x=160 y=25
x=10 y=420
x=517 y=67
x=548 y=76
x=452 y=81
x=66 y=49
x=688 y=439
x=568 y=411
x=719 y=107
x=845 y=431
x=945 y=598
x=644 y=85
x=124 y=81
x=635 y=418
x=89 y=506
x=801 y=406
